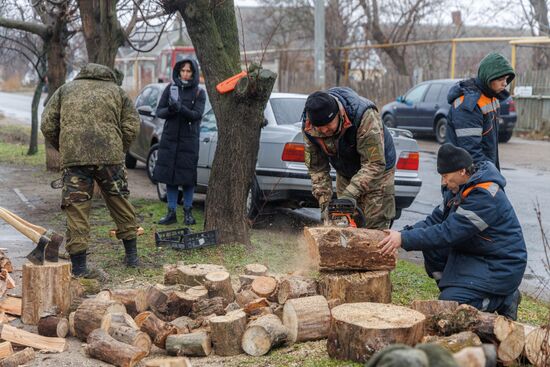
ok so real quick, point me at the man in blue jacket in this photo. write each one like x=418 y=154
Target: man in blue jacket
x=475 y=105
x=472 y=243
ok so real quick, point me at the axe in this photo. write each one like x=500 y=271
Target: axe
x=47 y=241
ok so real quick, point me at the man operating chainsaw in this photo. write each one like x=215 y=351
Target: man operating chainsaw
x=344 y=130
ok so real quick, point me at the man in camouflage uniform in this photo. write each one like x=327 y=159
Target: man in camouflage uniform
x=91 y=121
x=344 y=130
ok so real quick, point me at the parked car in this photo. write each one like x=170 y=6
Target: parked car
x=424 y=110
x=281 y=176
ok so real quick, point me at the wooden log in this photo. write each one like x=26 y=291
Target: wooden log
x=104 y=295
x=295 y=287
x=6 y=349
x=193 y=275
x=163 y=303
x=255 y=269
x=72 y=330
x=118 y=318
x=171 y=274
x=129 y=335
x=5 y=262
x=245 y=281
x=254 y=305
x=306 y=318
x=22 y=337
x=53 y=326
x=11 y=305
x=462 y=318
x=104 y=347
x=434 y=307
x=245 y=297
x=233 y=306
x=484 y=356
x=20 y=358
x=157 y=329
x=263 y=334
x=537 y=347
x=264 y=286
x=227 y=332
x=358 y=330
x=168 y=362
x=184 y=324
x=90 y=314
x=511 y=337
x=45 y=290
x=337 y=248
x=218 y=284
x=208 y=306
x=353 y=287
x=196 y=344
x=135 y=299
x=454 y=343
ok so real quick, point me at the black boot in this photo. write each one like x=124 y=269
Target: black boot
x=169 y=218
x=78 y=262
x=131 y=258
x=512 y=304
x=189 y=220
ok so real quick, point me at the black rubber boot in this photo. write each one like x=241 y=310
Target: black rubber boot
x=169 y=218
x=78 y=262
x=188 y=216
x=131 y=258
x=512 y=304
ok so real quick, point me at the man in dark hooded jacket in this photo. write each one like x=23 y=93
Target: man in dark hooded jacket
x=475 y=105
x=472 y=243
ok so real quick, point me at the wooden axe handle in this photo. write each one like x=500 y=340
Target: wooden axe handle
x=34 y=227
x=30 y=233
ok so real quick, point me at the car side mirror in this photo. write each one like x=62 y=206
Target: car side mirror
x=264 y=123
x=400 y=99
x=145 y=110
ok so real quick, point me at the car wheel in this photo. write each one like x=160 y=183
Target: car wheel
x=254 y=203
x=130 y=161
x=505 y=136
x=152 y=161
x=441 y=130
x=389 y=120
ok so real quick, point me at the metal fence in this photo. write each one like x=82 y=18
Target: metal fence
x=534 y=110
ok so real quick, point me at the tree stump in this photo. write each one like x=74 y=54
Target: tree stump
x=129 y=335
x=135 y=299
x=456 y=342
x=53 y=326
x=358 y=330
x=264 y=286
x=104 y=347
x=263 y=334
x=195 y=274
x=295 y=287
x=347 y=249
x=90 y=314
x=218 y=284
x=255 y=269
x=537 y=347
x=353 y=287
x=306 y=318
x=168 y=362
x=196 y=344
x=226 y=333
x=157 y=329
x=46 y=291
x=20 y=358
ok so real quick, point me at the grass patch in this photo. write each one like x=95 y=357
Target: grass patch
x=17 y=154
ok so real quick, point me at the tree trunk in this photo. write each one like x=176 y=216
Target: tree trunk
x=358 y=330
x=306 y=318
x=33 y=144
x=104 y=347
x=351 y=287
x=213 y=30
x=227 y=332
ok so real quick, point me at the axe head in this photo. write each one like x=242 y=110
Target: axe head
x=36 y=256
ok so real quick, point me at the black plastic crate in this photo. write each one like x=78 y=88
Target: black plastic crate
x=184 y=239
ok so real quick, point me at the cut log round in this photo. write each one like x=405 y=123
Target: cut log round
x=254 y=305
x=71 y=324
x=245 y=297
x=89 y=315
x=157 y=329
x=168 y=362
x=264 y=286
x=53 y=326
x=171 y=274
x=296 y=287
x=104 y=347
x=511 y=336
x=135 y=299
x=255 y=269
x=358 y=330
x=348 y=249
x=306 y=318
x=456 y=342
x=193 y=275
x=353 y=287
x=226 y=333
x=131 y=336
x=537 y=347
x=245 y=281
x=20 y=358
x=218 y=284
x=6 y=349
x=196 y=344
x=263 y=334
x=46 y=290
x=118 y=318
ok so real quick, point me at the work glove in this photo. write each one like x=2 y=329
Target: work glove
x=173 y=106
x=350 y=200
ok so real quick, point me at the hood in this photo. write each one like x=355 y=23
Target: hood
x=463 y=88
x=486 y=171
x=494 y=66
x=97 y=72
x=176 y=73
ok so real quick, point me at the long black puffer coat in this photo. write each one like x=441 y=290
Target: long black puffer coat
x=178 y=152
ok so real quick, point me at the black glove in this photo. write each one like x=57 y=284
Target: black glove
x=173 y=106
x=348 y=200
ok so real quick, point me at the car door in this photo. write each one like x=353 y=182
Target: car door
x=407 y=108
x=207 y=147
x=426 y=108
x=148 y=98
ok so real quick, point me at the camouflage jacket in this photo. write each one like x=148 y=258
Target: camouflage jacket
x=90 y=120
x=369 y=146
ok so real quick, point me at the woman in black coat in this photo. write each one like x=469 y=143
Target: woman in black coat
x=182 y=105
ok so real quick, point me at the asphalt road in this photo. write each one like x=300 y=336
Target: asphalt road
x=18 y=106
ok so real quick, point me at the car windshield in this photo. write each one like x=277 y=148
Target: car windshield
x=287 y=110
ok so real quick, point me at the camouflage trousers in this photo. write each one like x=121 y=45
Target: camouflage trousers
x=76 y=202
x=377 y=204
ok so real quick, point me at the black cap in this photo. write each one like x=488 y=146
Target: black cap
x=321 y=108
x=451 y=159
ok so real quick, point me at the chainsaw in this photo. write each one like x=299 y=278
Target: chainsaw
x=343 y=213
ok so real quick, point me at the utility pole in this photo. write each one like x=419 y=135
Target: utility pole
x=320 y=44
